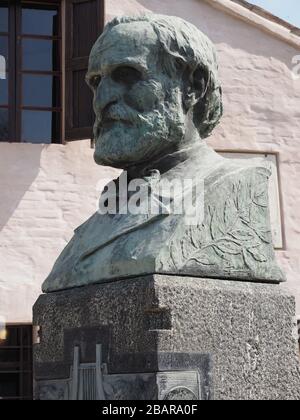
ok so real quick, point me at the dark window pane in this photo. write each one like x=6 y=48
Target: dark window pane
x=26 y=335
x=3 y=51
x=27 y=385
x=37 y=20
x=41 y=91
x=9 y=385
x=4 y=90
x=14 y=336
x=83 y=98
x=16 y=363
x=85 y=31
x=9 y=359
x=40 y=126
x=27 y=359
x=3 y=18
x=40 y=55
x=3 y=124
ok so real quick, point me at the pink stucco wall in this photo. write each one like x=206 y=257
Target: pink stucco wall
x=46 y=191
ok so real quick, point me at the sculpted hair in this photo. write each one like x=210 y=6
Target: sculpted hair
x=186 y=49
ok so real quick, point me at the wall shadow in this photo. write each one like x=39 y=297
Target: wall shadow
x=19 y=167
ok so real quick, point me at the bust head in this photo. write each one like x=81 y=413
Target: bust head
x=155 y=86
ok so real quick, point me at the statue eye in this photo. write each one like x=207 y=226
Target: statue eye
x=126 y=75
x=94 y=81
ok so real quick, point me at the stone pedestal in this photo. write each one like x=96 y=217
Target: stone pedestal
x=167 y=337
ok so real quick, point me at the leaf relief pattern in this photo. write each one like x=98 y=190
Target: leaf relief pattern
x=235 y=233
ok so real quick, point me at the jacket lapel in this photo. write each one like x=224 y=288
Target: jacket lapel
x=105 y=229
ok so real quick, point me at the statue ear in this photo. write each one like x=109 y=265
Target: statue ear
x=198 y=86
x=201 y=80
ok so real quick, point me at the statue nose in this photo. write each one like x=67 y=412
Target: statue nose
x=107 y=92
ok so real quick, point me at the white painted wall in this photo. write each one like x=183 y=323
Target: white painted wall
x=47 y=191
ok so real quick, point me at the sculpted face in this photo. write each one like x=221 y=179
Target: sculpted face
x=139 y=112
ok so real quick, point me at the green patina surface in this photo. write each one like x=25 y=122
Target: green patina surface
x=156 y=98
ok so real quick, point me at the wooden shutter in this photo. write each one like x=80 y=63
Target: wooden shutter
x=84 y=24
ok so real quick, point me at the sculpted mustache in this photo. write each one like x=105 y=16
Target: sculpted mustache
x=119 y=113
x=114 y=113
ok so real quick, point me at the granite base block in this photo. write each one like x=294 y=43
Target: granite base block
x=167 y=337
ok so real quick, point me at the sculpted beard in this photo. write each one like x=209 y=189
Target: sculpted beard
x=125 y=136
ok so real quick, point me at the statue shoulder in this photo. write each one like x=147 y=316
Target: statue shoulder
x=80 y=229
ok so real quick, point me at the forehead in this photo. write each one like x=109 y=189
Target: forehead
x=134 y=43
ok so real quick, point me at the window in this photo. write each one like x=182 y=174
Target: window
x=84 y=24
x=32 y=104
x=4 y=37
x=16 y=363
x=31 y=42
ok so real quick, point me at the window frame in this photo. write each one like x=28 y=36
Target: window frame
x=70 y=128
x=10 y=61
x=73 y=64
x=15 y=71
x=19 y=369
x=20 y=72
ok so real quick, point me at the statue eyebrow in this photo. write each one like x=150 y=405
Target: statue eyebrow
x=108 y=68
